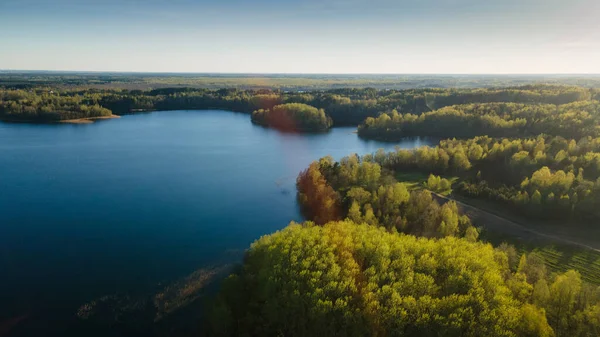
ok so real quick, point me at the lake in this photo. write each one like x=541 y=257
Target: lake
x=125 y=204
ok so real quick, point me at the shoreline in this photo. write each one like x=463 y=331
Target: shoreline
x=87 y=120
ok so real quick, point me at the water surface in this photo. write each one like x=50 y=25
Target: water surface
x=122 y=205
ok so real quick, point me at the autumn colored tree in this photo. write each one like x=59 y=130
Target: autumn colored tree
x=318 y=200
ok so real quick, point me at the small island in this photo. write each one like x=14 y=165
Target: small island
x=293 y=117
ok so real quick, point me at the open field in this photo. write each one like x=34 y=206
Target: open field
x=417 y=180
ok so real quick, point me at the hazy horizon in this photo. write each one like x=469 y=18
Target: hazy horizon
x=429 y=37
x=223 y=73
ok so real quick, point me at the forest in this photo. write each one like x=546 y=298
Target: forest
x=379 y=256
x=572 y=120
x=542 y=177
x=346 y=106
x=365 y=193
x=293 y=117
x=20 y=105
x=349 y=279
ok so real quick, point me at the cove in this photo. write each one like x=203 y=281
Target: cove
x=123 y=205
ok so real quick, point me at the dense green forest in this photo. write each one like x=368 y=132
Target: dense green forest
x=349 y=279
x=572 y=120
x=293 y=117
x=365 y=275
x=47 y=106
x=542 y=177
x=365 y=193
x=344 y=106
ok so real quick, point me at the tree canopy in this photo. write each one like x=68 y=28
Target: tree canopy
x=541 y=177
x=46 y=105
x=573 y=120
x=347 y=279
x=346 y=106
x=293 y=117
x=362 y=191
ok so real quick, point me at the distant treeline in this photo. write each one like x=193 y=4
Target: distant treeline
x=344 y=106
x=306 y=82
x=573 y=120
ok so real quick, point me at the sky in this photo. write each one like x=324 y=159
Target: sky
x=303 y=36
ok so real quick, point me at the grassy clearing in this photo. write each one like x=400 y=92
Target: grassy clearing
x=418 y=180
x=413 y=180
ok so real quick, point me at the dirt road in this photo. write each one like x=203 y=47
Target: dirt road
x=500 y=224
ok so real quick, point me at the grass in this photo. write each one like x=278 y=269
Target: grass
x=412 y=180
x=417 y=180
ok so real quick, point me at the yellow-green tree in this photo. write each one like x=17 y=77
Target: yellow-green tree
x=346 y=279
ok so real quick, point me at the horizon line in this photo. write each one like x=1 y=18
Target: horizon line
x=292 y=73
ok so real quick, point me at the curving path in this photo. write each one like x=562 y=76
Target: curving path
x=500 y=224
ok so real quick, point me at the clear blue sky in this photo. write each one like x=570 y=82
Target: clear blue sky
x=304 y=36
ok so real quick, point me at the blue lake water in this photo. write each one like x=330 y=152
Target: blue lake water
x=124 y=204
